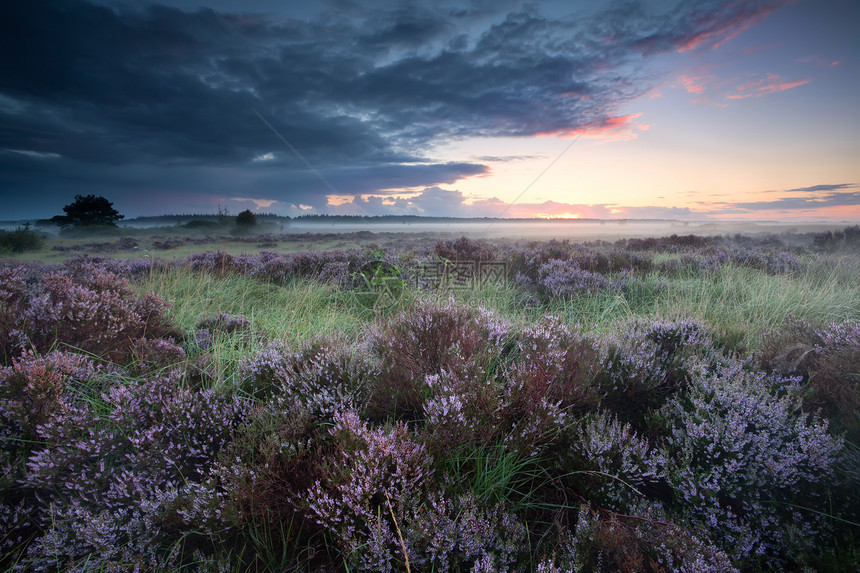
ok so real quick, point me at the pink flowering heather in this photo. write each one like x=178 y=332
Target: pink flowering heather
x=31 y=389
x=13 y=297
x=379 y=487
x=153 y=354
x=644 y=364
x=616 y=467
x=112 y=469
x=224 y=322
x=372 y=468
x=836 y=380
x=324 y=377
x=523 y=403
x=606 y=542
x=564 y=279
x=88 y=308
x=556 y=362
x=427 y=340
x=464 y=249
x=741 y=454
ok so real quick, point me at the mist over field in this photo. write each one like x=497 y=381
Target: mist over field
x=574 y=230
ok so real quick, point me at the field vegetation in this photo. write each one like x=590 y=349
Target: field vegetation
x=408 y=403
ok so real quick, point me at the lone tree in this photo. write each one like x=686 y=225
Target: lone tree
x=88 y=211
x=246 y=219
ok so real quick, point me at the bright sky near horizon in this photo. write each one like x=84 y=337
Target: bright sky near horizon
x=637 y=109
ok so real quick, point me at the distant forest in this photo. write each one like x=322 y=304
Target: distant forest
x=323 y=218
x=342 y=218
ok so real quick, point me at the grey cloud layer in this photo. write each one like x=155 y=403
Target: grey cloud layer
x=362 y=92
x=817 y=196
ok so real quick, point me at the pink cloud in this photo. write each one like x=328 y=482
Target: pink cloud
x=719 y=32
x=763 y=86
x=434 y=201
x=617 y=128
x=758 y=49
x=819 y=61
x=693 y=84
x=698 y=83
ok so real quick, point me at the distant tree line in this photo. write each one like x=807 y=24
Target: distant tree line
x=396 y=218
x=211 y=216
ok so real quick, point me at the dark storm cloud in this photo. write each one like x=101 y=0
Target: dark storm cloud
x=154 y=189
x=101 y=86
x=108 y=85
x=363 y=180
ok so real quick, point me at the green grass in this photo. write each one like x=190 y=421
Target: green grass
x=732 y=301
x=743 y=300
x=737 y=303
x=296 y=312
x=493 y=473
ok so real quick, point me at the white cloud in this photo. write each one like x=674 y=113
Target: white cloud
x=258 y=203
x=34 y=154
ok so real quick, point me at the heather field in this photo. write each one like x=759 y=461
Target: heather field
x=413 y=402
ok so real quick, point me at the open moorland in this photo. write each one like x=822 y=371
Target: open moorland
x=411 y=402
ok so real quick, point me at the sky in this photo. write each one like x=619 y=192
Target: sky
x=693 y=110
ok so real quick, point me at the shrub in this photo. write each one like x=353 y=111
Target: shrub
x=115 y=471
x=836 y=378
x=464 y=249
x=223 y=322
x=14 y=295
x=826 y=359
x=153 y=354
x=741 y=455
x=255 y=497
x=522 y=405
x=611 y=542
x=429 y=340
x=32 y=387
x=90 y=309
x=219 y=263
x=551 y=357
x=372 y=469
x=377 y=501
x=526 y=262
x=20 y=240
x=644 y=364
x=324 y=378
x=33 y=391
x=467 y=411
x=617 y=468
x=564 y=279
